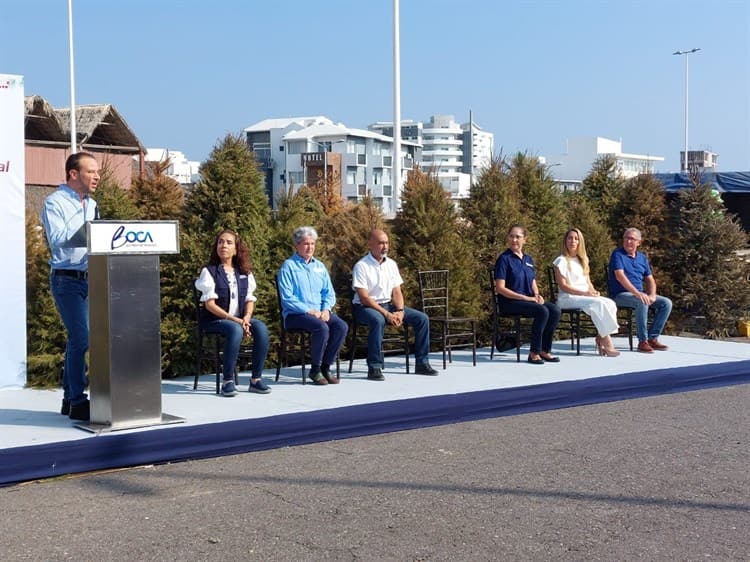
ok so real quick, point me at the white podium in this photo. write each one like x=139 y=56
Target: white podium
x=124 y=322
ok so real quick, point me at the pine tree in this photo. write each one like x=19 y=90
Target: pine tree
x=45 y=334
x=603 y=185
x=293 y=209
x=429 y=236
x=114 y=202
x=344 y=236
x=158 y=196
x=492 y=207
x=544 y=214
x=641 y=204
x=703 y=255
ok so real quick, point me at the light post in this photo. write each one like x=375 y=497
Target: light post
x=684 y=165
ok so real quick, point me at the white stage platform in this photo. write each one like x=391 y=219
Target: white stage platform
x=37 y=442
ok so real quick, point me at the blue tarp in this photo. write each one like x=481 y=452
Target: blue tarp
x=724 y=182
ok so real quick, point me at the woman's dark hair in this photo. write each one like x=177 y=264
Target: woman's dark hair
x=241 y=260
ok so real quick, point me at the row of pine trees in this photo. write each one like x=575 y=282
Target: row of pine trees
x=691 y=241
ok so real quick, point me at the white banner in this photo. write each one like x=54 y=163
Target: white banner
x=133 y=237
x=13 y=231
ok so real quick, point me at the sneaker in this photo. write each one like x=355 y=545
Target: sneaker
x=258 y=387
x=644 y=347
x=80 y=411
x=375 y=374
x=65 y=408
x=425 y=369
x=657 y=345
x=228 y=389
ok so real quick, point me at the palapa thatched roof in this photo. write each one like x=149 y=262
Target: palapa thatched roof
x=97 y=126
x=42 y=122
x=101 y=125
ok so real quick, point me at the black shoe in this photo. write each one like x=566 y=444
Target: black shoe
x=325 y=370
x=80 y=411
x=537 y=361
x=65 y=408
x=375 y=374
x=318 y=379
x=425 y=369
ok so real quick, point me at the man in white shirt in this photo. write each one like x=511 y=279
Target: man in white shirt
x=378 y=300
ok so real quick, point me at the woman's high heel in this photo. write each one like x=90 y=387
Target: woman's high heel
x=606 y=351
x=599 y=346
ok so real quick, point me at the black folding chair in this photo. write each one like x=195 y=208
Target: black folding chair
x=454 y=332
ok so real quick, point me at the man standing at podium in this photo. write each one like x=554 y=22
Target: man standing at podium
x=65 y=212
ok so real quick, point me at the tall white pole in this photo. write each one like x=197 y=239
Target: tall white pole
x=396 y=107
x=73 y=136
x=687 y=58
x=684 y=163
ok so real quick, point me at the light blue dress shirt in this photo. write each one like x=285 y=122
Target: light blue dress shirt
x=63 y=214
x=304 y=286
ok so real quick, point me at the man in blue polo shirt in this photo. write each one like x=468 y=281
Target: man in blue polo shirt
x=632 y=284
x=65 y=212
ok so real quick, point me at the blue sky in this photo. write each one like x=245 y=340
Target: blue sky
x=185 y=73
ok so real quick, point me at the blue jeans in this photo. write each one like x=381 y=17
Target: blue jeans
x=326 y=337
x=375 y=323
x=233 y=335
x=662 y=308
x=545 y=318
x=72 y=300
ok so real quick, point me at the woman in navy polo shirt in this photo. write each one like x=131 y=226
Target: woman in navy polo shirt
x=515 y=284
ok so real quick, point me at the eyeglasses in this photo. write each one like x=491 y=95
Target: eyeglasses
x=631 y=239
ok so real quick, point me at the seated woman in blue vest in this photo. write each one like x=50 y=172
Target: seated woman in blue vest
x=227 y=285
x=515 y=285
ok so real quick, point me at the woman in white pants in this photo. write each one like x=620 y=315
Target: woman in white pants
x=575 y=290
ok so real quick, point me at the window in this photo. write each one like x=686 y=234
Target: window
x=297 y=147
x=351 y=175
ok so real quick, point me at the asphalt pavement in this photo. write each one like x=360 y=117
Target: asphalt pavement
x=659 y=478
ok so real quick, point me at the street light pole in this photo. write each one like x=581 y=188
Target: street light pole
x=684 y=167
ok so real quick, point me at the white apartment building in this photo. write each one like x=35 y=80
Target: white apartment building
x=700 y=160
x=452 y=151
x=575 y=164
x=180 y=168
x=305 y=150
x=479 y=149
